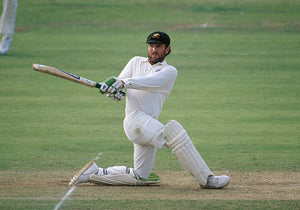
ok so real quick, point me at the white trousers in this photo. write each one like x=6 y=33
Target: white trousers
x=8 y=17
x=146 y=134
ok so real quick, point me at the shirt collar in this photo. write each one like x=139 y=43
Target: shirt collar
x=159 y=63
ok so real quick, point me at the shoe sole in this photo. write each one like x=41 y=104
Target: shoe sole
x=79 y=173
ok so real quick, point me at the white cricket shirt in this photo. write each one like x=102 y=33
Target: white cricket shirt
x=148 y=86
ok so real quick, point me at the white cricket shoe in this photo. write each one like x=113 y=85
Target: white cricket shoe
x=5 y=44
x=83 y=175
x=217 y=182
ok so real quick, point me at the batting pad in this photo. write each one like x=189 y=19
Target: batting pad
x=122 y=179
x=183 y=148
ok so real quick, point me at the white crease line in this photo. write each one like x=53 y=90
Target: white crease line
x=64 y=198
x=71 y=190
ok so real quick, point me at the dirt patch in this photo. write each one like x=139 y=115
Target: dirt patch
x=174 y=186
x=22 y=29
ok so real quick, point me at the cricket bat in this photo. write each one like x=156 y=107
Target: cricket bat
x=65 y=75
x=70 y=76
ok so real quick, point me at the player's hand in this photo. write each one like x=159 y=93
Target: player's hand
x=111 y=85
x=116 y=86
x=106 y=84
x=118 y=96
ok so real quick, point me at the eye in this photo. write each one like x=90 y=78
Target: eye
x=151 y=45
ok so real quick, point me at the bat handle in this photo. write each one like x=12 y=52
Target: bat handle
x=98 y=85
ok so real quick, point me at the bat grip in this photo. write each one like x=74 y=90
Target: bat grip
x=98 y=85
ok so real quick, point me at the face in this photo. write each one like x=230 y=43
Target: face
x=157 y=52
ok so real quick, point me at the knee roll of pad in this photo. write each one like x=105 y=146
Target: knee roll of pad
x=175 y=135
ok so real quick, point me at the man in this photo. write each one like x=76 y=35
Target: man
x=7 y=24
x=148 y=82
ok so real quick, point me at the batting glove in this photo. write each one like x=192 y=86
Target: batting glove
x=106 y=84
x=116 y=86
x=111 y=85
x=118 y=96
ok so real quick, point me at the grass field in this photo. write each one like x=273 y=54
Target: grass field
x=237 y=95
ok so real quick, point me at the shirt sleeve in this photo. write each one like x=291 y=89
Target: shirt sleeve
x=159 y=81
x=126 y=72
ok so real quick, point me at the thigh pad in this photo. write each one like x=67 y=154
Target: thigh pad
x=143 y=129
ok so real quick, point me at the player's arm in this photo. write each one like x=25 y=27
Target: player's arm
x=160 y=82
x=155 y=82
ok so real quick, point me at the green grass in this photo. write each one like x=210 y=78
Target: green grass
x=237 y=92
x=156 y=204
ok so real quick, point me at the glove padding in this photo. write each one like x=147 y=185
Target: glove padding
x=116 y=86
x=111 y=85
x=118 y=96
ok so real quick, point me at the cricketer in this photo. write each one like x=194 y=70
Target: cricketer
x=148 y=82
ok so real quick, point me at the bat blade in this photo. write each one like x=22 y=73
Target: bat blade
x=65 y=75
